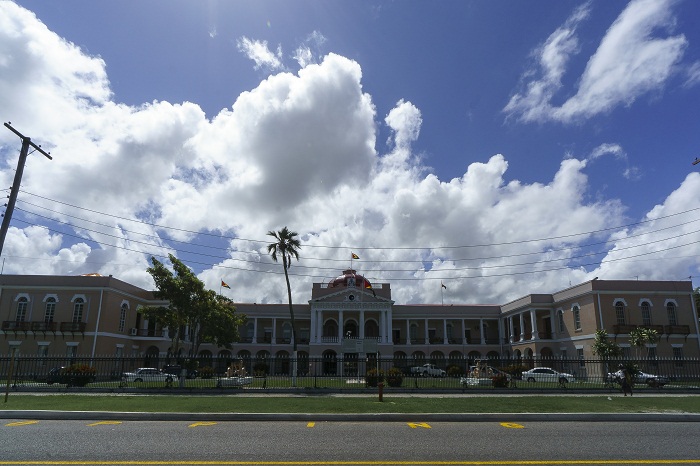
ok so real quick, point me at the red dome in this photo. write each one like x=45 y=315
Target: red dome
x=350 y=278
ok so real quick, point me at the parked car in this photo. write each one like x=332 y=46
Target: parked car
x=428 y=370
x=546 y=374
x=63 y=375
x=146 y=374
x=235 y=381
x=483 y=375
x=176 y=370
x=641 y=377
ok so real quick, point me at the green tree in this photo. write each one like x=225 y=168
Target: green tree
x=605 y=348
x=211 y=318
x=286 y=246
x=640 y=337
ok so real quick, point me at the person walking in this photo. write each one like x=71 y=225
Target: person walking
x=626 y=380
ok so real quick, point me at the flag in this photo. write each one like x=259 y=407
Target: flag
x=223 y=283
x=443 y=285
x=355 y=256
x=369 y=287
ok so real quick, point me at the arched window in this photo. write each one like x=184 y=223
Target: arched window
x=78 y=306
x=22 y=304
x=577 y=318
x=620 y=313
x=286 y=332
x=49 y=310
x=671 y=311
x=560 y=313
x=646 y=314
x=122 y=316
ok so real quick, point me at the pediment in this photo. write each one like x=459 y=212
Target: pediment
x=351 y=295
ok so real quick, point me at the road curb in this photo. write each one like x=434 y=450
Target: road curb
x=357 y=417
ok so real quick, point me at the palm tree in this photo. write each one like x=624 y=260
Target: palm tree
x=287 y=246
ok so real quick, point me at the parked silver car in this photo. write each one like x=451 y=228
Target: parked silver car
x=146 y=374
x=546 y=374
x=641 y=377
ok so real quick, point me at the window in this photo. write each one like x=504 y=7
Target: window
x=671 y=311
x=42 y=351
x=72 y=351
x=651 y=356
x=577 y=318
x=581 y=360
x=78 y=310
x=678 y=356
x=49 y=310
x=646 y=314
x=122 y=316
x=22 y=304
x=561 y=320
x=120 y=352
x=620 y=313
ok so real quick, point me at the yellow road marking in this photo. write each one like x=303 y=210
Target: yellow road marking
x=199 y=424
x=512 y=425
x=21 y=423
x=356 y=463
x=310 y=424
x=101 y=423
x=424 y=425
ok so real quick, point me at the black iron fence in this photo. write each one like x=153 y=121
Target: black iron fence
x=124 y=373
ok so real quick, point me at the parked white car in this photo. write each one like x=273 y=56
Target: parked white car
x=234 y=381
x=146 y=374
x=428 y=370
x=641 y=377
x=546 y=374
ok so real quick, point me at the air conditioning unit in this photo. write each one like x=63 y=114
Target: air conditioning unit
x=134 y=332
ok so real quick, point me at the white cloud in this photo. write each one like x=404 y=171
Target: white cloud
x=296 y=150
x=258 y=51
x=630 y=62
x=692 y=75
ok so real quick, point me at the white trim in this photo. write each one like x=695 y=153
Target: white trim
x=72 y=343
x=624 y=301
x=50 y=295
x=645 y=300
x=22 y=295
x=578 y=347
x=573 y=305
x=125 y=301
x=43 y=343
x=76 y=296
x=676 y=345
x=675 y=303
x=120 y=345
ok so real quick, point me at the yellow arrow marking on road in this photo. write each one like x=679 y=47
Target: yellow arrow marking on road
x=102 y=423
x=199 y=424
x=310 y=424
x=424 y=425
x=512 y=425
x=21 y=423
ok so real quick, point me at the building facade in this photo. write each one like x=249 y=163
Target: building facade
x=350 y=318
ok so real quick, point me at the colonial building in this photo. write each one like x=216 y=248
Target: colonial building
x=350 y=318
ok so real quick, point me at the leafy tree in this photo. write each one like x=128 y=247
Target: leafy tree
x=641 y=336
x=286 y=246
x=604 y=347
x=211 y=317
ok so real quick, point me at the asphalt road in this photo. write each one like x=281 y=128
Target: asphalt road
x=99 y=441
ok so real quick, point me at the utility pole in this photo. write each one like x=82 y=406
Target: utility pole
x=26 y=143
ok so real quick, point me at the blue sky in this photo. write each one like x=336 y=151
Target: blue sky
x=490 y=145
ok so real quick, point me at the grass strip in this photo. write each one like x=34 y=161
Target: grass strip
x=354 y=404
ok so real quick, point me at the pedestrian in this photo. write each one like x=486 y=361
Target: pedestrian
x=626 y=380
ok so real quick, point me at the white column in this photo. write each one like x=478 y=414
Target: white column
x=500 y=330
x=444 y=331
x=511 y=329
x=522 y=326
x=255 y=330
x=340 y=326
x=553 y=323
x=426 y=341
x=533 y=322
x=362 y=324
x=408 y=332
x=274 y=330
x=319 y=326
x=464 y=333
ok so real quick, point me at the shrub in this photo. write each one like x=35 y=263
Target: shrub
x=260 y=369
x=499 y=380
x=394 y=377
x=373 y=377
x=516 y=370
x=206 y=372
x=78 y=375
x=454 y=371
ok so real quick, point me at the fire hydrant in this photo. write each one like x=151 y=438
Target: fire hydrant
x=380 y=385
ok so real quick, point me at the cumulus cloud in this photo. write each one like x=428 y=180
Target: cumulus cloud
x=630 y=61
x=296 y=150
x=258 y=51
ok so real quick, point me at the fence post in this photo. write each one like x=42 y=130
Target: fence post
x=10 y=374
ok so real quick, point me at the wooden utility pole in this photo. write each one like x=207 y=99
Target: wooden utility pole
x=26 y=143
